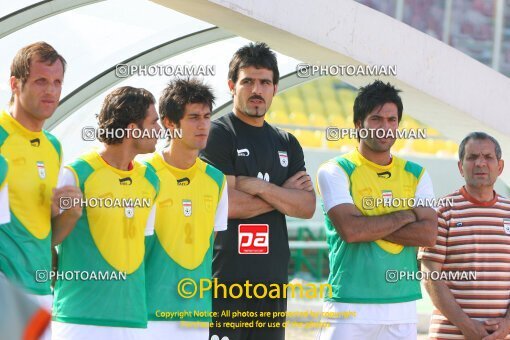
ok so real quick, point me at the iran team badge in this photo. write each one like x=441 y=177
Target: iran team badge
x=129 y=212
x=506 y=225
x=186 y=207
x=387 y=196
x=41 y=170
x=284 y=159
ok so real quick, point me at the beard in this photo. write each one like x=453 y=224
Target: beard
x=374 y=145
x=255 y=112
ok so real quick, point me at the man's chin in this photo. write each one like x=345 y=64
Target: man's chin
x=255 y=113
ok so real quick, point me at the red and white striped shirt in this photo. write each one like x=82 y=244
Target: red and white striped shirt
x=473 y=236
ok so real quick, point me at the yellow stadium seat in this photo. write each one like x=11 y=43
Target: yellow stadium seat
x=332 y=107
x=278 y=117
x=314 y=106
x=298 y=118
x=327 y=93
x=431 y=132
x=424 y=146
x=339 y=121
x=399 y=145
x=452 y=148
x=317 y=120
x=295 y=104
x=278 y=104
x=312 y=139
x=347 y=100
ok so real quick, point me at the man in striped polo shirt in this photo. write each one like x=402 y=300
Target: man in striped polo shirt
x=473 y=236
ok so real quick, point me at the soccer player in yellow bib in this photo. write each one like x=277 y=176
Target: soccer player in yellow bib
x=5 y=214
x=106 y=299
x=193 y=204
x=34 y=157
x=373 y=226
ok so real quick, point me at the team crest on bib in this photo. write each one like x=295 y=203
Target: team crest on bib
x=284 y=159
x=41 y=170
x=506 y=225
x=387 y=196
x=186 y=207
x=129 y=212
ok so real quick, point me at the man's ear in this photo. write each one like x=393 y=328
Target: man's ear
x=14 y=84
x=168 y=124
x=231 y=86
x=501 y=166
x=459 y=164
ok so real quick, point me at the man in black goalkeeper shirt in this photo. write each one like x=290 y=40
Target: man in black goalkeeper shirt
x=266 y=178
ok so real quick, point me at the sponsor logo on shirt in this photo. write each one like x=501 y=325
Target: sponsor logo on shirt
x=264 y=176
x=183 y=181
x=253 y=239
x=35 y=142
x=243 y=152
x=284 y=159
x=384 y=174
x=126 y=181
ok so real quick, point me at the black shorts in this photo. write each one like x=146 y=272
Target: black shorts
x=242 y=319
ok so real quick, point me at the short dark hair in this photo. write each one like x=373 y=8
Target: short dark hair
x=258 y=55
x=477 y=135
x=375 y=95
x=121 y=107
x=42 y=51
x=180 y=92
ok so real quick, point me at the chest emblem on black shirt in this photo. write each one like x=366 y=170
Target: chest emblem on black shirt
x=243 y=152
x=284 y=159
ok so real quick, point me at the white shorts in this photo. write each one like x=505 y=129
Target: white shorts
x=403 y=331
x=163 y=330
x=72 y=331
x=46 y=302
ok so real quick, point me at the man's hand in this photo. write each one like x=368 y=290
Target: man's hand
x=301 y=181
x=500 y=326
x=250 y=185
x=475 y=330
x=70 y=192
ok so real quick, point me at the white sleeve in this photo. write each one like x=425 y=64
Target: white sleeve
x=65 y=178
x=333 y=186
x=149 y=227
x=424 y=189
x=221 y=218
x=60 y=181
x=5 y=214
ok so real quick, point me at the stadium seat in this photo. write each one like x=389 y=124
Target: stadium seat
x=317 y=120
x=295 y=103
x=278 y=117
x=298 y=118
x=314 y=106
